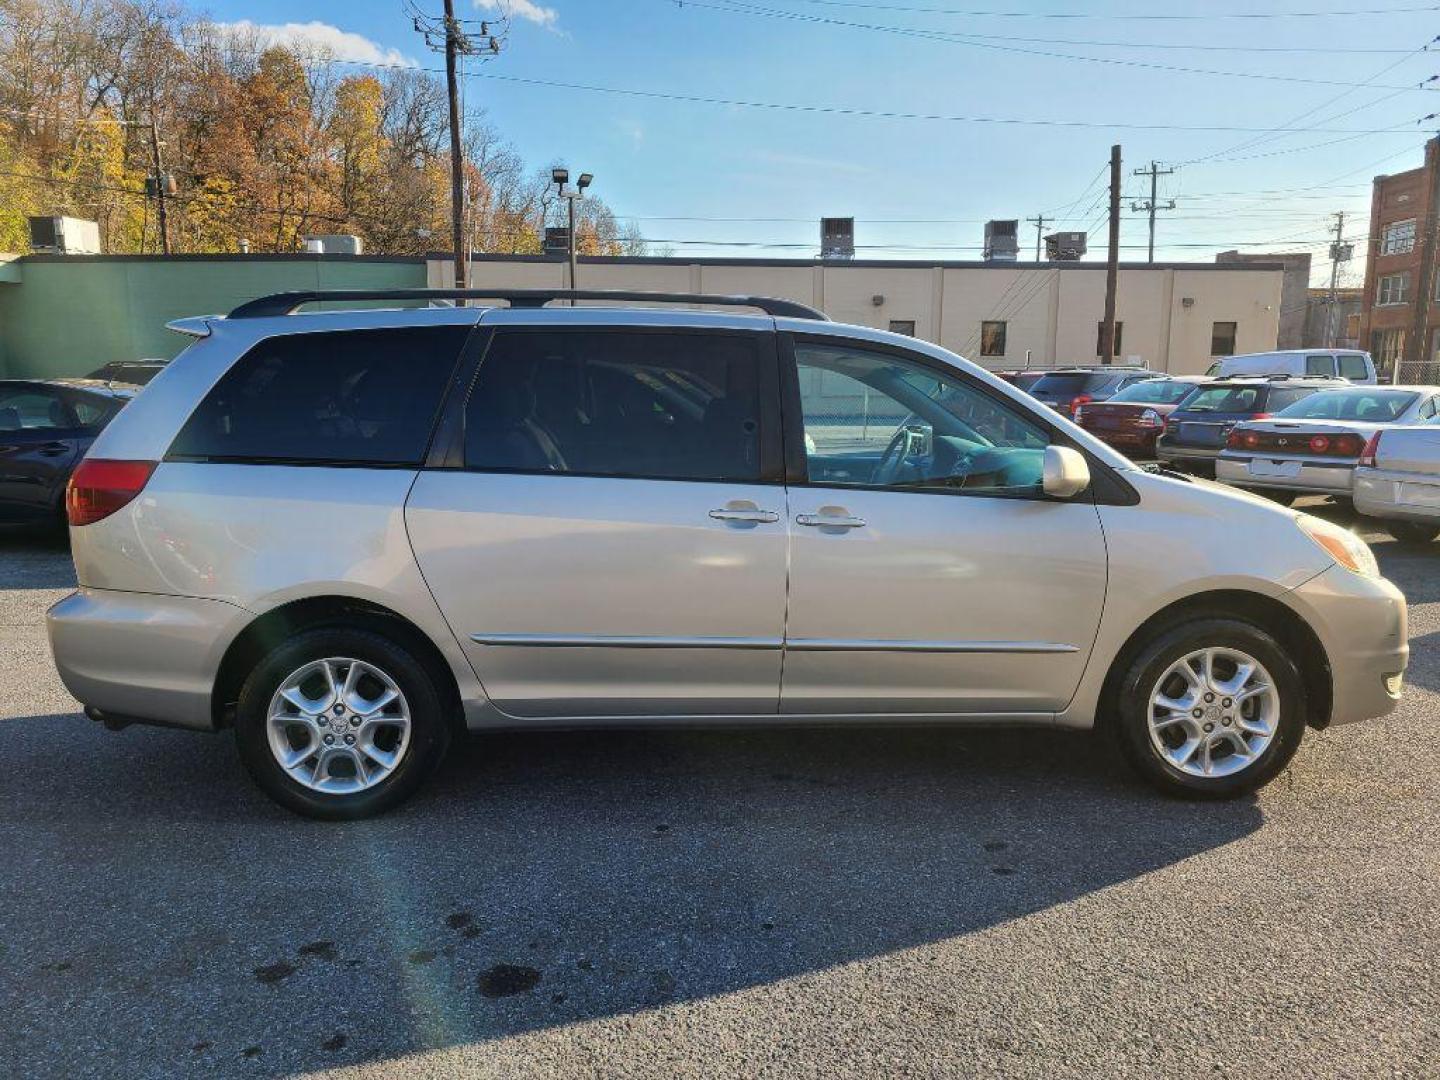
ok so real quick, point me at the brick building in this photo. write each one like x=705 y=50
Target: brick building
x=1399 y=274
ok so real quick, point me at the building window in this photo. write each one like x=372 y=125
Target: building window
x=1100 y=337
x=903 y=326
x=992 y=338
x=1398 y=238
x=1393 y=289
x=1352 y=327
x=1386 y=346
x=1222 y=338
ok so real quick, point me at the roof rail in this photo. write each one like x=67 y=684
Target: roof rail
x=286 y=303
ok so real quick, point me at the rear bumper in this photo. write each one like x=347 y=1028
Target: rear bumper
x=1328 y=479
x=142 y=657
x=1361 y=622
x=1168 y=450
x=1391 y=495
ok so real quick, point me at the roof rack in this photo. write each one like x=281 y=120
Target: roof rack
x=286 y=303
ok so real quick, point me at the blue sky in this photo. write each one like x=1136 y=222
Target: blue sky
x=922 y=187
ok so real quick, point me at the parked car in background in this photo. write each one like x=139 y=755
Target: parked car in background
x=351 y=535
x=1064 y=389
x=1313 y=446
x=1195 y=432
x=134 y=372
x=1398 y=481
x=1132 y=420
x=1022 y=378
x=1349 y=364
x=46 y=425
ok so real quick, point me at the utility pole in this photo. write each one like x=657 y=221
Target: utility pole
x=453 y=37
x=1424 y=282
x=1153 y=203
x=447 y=35
x=1039 y=222
x=1339 y=252
x=160 y=181
x=1112 y=264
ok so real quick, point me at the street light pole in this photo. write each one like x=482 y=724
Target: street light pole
x=561 y=176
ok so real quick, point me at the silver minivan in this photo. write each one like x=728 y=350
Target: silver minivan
x=350 y=536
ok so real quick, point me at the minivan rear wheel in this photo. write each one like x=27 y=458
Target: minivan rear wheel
x=1211 y=709
x=340 y=723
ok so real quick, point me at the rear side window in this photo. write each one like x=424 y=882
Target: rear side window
x=363 y=397
x=1280 y=399
x=1070 y=383
x=670 y=406
x=1352 y=366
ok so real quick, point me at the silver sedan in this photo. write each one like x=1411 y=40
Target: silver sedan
x=1313 y=446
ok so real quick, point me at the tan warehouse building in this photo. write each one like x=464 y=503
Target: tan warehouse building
x=1172 y=316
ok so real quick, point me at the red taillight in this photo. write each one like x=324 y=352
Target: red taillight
x=1261 y=416
x=1372 y=448
x=1242 y=440
x=1320 y=444
x=1077 y=401
x=98 y=488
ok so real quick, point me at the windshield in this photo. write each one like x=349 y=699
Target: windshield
x=1375 y=406
x=1155 y=392
x=1226 y=399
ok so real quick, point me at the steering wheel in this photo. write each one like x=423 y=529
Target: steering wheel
x=888 y=467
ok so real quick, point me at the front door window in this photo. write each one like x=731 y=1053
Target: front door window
x=876 y=420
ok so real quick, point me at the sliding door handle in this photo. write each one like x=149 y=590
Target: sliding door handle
x=830 y=521
x=754 y=517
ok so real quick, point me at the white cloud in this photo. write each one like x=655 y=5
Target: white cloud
x=520 y=9
x=321 y=38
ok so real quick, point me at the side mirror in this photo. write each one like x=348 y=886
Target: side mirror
x=1066 y=472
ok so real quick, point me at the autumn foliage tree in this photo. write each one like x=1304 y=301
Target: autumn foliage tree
x=266 y=143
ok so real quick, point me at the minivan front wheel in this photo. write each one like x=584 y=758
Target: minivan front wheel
x=338 y=723
x=1213 y=708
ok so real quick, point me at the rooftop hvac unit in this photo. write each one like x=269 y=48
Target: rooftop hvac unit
x=837 y=238
x=64 y=236
x=1064 y=246
x=334 y=244
x=557 y=240
x=1002 y=243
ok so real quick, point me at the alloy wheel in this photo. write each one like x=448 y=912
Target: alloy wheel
x=1213 y=712
x=338 y=725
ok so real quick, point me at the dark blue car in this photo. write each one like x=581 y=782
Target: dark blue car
x=46 y=425
x=1195 y=433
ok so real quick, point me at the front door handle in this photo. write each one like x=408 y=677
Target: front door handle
x=53 y=449
x=830 y=521
x=754 y=517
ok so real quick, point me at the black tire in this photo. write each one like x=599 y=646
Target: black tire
x=1412 y=532
x=1131 y=706
x=429 y=732
x=1284 y=498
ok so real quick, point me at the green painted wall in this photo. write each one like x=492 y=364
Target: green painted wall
x=67 y=315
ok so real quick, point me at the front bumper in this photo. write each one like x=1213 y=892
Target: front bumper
x=142 y=656
x=1321 y=479
x=1361 y=622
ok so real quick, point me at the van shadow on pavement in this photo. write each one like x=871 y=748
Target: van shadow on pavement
x=541 y=879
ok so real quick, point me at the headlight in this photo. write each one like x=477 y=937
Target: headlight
x=1342 y=545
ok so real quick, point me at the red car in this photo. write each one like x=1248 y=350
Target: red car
x=1132 y=420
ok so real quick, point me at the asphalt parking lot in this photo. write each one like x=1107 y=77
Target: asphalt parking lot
x=799 y=903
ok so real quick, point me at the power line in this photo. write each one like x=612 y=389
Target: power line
x=794 y=16
x=970 y=13
x=890 y=114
